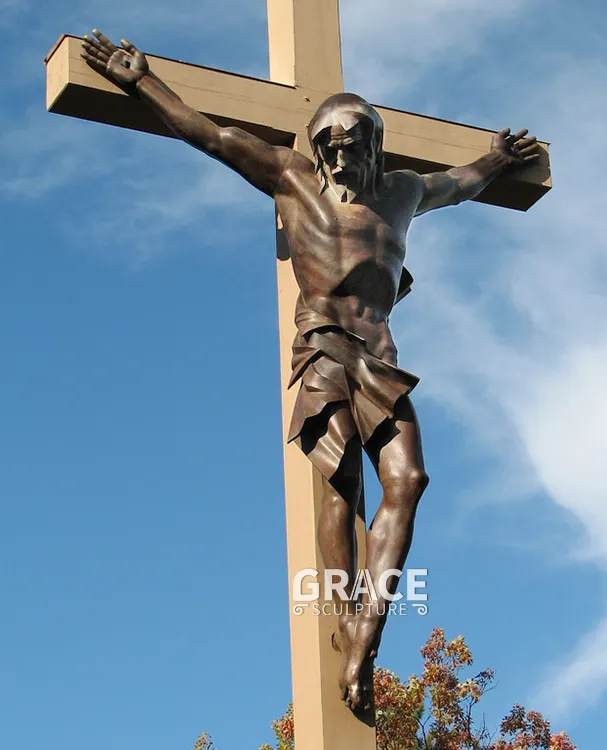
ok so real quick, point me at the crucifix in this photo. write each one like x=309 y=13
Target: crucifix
x=347 y=179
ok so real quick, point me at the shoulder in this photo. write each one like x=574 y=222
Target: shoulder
x=296 y=162
x=295 y=167
x=405 y=183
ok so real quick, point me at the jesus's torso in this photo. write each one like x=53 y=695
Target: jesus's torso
x=348 y=257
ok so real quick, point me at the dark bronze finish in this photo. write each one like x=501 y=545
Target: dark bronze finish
x=345 y=218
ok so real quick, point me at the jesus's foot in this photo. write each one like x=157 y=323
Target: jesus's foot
x=357 y=676
x=356 y=681
x=357 y=688
x=343 y=642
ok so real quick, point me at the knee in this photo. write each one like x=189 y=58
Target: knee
x=406 y=485
x=420 y=479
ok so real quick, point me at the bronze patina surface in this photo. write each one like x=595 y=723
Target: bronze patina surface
x=346 y=220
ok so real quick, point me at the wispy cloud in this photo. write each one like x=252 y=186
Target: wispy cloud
x=164 y=185
x=39 y=155
x=532 y=389
x=413 y=37
x=514 y=343
x=529 y=390
x=581 y=679
x=165 y=188
x=188 y=30
x=140 y=188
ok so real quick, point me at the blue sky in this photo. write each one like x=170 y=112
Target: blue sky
x=133 y=268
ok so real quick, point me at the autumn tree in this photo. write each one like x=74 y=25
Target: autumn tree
x=435 y=711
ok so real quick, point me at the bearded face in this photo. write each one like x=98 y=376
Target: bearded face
x=346 y=157
x=346 y=135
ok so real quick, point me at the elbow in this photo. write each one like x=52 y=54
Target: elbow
x=202 y=135
x=225 y=141
x=221 y=141
x=455 y=197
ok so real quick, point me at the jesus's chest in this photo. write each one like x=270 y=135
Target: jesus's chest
x=360 y=224
x=349 y=231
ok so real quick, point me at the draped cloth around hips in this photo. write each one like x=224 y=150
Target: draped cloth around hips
x=337 y=369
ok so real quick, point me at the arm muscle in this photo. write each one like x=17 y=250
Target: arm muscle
x=461 y=183
x=257 y=161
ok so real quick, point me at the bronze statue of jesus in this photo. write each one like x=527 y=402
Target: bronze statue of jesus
x=346 y=222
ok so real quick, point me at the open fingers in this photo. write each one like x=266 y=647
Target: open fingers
x=527 y=150
x=521 y=134
x=512 y=139
x=128 y=46
x=105 y=41
x=94 y=62
x=526 y=147
x=524 y=142
x=90 y=42
x=95 y=50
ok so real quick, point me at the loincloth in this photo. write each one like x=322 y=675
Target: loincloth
x=338 y=370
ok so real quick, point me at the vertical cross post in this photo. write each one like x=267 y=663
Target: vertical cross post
x=305 y=52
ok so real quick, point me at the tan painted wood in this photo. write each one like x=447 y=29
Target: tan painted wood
x=305 y=44
x=73 y=88
x=305 y=67
x=431 y=144
x=277 y=111
x=304 y=47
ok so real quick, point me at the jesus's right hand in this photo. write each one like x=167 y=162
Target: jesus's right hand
x=124 y=65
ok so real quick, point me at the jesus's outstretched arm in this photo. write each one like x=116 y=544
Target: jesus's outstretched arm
x=257 y=161
x=464 y=183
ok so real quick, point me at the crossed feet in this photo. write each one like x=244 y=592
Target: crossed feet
x=358 y=642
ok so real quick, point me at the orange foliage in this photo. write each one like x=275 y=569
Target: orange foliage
x=434 y=711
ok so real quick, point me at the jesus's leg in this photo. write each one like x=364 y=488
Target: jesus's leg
x=337 y=541
x=397 y=456
x=336 y=528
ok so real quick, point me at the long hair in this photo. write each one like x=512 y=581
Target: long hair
x=349 y=110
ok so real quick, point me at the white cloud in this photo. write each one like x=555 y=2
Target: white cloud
x=532 y=391
x=580 y=681
x=137 y=20
x=529 y=391
x=180 y=191
x=136 y=187
x=166 y=185
x=43 y=154
x=413 y=37
x=563 y=425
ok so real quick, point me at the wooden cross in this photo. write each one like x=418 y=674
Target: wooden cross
x=305 y=68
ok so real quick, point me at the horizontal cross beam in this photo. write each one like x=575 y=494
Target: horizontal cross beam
x=276 y=112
